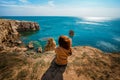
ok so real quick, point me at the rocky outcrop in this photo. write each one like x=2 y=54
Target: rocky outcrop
x=20 y=25
x=8 y=34
x=9 y=30
x=30 y=45
x=39 y=50
x=27 y=26
x=50 y=45
x=71 y=33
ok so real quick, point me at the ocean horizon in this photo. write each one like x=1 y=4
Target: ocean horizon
x=99 y=32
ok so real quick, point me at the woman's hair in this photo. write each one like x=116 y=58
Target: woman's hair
x=64 y=42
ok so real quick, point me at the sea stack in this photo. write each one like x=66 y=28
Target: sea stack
x=71 y=33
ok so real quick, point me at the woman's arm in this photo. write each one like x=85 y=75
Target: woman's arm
x=70 y=52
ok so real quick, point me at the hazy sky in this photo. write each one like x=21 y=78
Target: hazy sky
x=82 y=8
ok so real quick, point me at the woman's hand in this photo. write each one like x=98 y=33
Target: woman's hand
x=70 y=52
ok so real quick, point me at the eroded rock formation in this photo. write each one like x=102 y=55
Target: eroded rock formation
x=8 y=34
x=50 y=45
x=30 y=45
x=9 y=30
x=27 y=26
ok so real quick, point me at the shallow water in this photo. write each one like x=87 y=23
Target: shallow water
x=99 y=32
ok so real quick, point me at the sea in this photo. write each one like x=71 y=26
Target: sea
x=99 y=32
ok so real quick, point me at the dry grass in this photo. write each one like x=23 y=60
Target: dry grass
x=38 y=55
x=15 y=66
x=85 y=64
x=22 y=74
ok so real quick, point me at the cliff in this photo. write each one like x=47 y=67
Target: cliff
x=10 y=29
x=86 y=63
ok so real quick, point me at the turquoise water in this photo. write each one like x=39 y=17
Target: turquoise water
x=99 y=32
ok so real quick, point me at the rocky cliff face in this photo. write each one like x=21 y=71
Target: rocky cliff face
x=26 y=26
x=9 y=30
x=8 y=34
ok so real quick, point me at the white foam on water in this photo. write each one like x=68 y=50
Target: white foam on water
x=106 y=45
x=88 y=28
x=116 y=39
x=85 y=22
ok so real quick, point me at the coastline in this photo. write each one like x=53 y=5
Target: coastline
x=15 y=28
x=100 y=34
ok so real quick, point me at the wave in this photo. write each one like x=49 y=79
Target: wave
x=106 y=45
x=90 y=23
x=88 y=28
x=117 y=39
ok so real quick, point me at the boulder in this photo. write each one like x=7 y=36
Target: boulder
x=18 y=42
x=1 y=47
x=39 y=50
x=24 y=49
x=30 y=45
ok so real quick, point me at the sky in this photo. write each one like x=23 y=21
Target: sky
x=81 y=8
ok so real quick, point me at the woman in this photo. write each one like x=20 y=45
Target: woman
x=59 y=63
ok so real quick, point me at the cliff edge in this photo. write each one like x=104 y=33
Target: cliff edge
x=86 y=63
